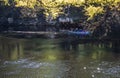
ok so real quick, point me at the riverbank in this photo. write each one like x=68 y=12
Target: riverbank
x=32 y=34
x=53 y=35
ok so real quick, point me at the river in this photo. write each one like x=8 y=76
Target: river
x=58 y=58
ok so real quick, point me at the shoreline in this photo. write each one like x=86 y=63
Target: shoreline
x=50 y=35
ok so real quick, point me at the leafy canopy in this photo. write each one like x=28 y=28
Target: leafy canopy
x=53 y=8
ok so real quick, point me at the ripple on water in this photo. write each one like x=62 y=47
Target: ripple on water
x=112 y=70
x=36 y=65
x=107 y=69
x=12 y=72
x=20 y=61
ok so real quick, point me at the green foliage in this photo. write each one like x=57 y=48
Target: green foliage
x=95 y=7
x=5 y=2
x=53 y=8
x=25 y=3
x=92 y=11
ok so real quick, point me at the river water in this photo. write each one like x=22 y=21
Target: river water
x=58 y=58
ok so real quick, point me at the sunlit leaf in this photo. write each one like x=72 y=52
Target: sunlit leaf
x=92 y=11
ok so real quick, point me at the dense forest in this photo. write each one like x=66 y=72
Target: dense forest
x=101 y=17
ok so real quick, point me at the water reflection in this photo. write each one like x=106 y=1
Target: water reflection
x=11 y=49
x=60 y=58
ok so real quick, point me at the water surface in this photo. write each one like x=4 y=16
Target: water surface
x=58 y=58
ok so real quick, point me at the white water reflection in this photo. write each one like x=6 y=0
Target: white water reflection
x=20 y=61
x=61 y=69
x=36 y=69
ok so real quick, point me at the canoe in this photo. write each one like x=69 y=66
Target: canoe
x=79 y=32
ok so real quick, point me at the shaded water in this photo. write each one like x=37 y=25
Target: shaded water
x=58 y=58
